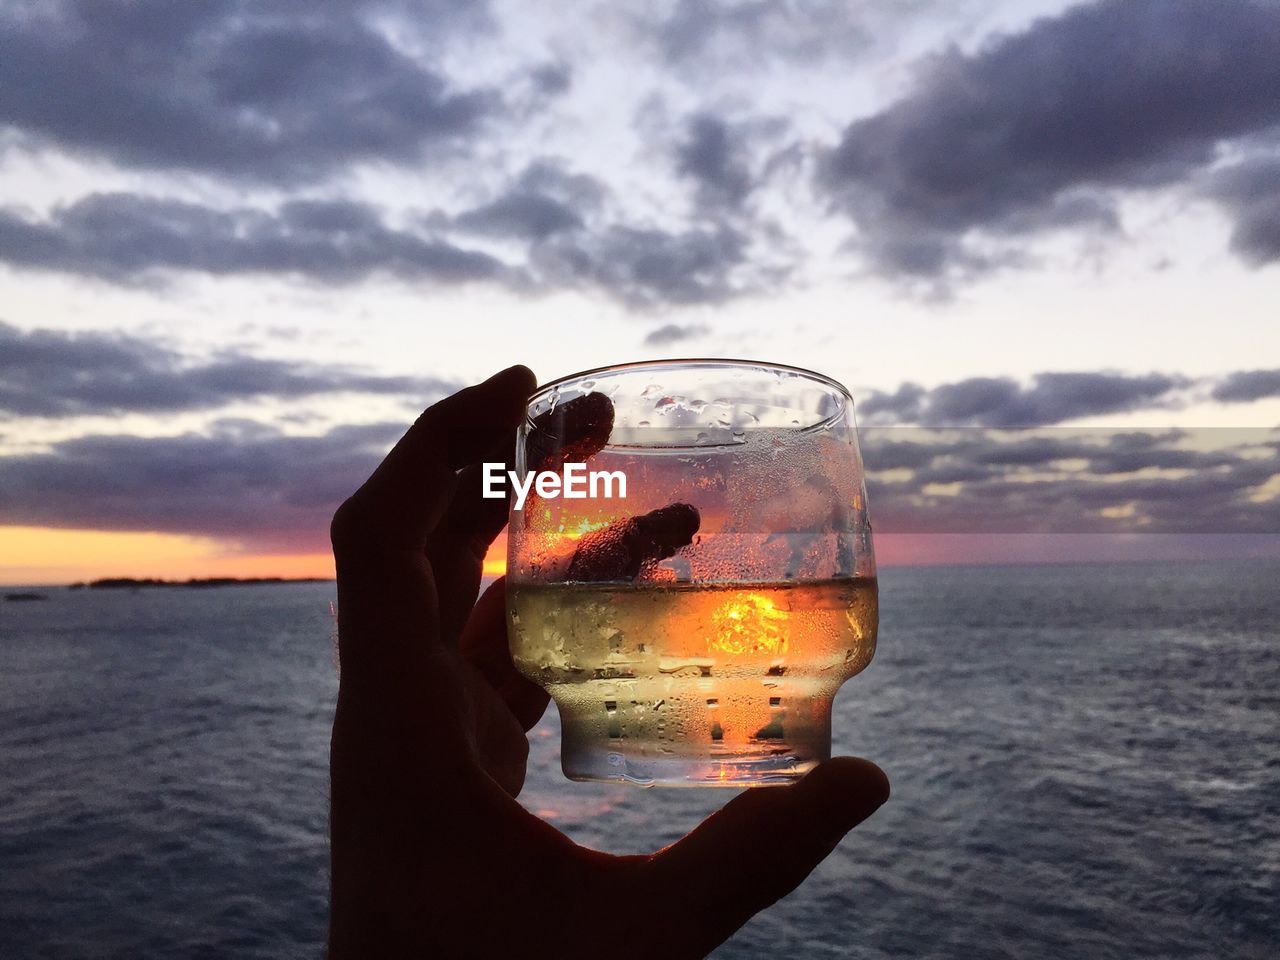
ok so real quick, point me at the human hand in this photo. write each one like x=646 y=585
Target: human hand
x=431 y=854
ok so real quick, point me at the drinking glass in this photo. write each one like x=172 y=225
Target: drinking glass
x=694 y=631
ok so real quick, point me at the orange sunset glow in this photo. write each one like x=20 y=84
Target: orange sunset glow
x=45 y=556
x=38 y=555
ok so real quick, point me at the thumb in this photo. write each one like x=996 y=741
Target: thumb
x=759 y=847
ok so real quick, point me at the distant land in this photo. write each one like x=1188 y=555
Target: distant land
x=134 y=583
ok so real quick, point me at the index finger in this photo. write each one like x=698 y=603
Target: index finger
x=573 y=431
x=399 y=505
x=387 y=606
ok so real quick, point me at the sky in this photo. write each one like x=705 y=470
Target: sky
x=242 y=244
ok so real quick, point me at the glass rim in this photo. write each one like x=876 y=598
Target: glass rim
x=838 y=388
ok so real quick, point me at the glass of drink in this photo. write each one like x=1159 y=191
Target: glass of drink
x=691 y=574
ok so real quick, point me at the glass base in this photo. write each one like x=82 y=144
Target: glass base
x=605 y=764
x=589 y=752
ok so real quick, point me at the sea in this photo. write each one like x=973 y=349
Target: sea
x=1085 y=763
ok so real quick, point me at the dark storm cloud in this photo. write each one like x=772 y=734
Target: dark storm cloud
x=260 y=89
x=123 y=237
x=1003 y=402
x=1035 y=129
x=269 y=490
x=50 y=373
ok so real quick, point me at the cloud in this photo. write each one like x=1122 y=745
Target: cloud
x=267 y=490
x=130 y=238
x=544 y=199
x=976 y=480
x=576 y=239
x=1250 y=193
x=1003 y=402
x=553 y=79
x=649 y=266
x=1041 y=128
x=533 y=216
x=124 y=237
x=50 y=373
x=267 y=90
x=670 y=333
x=697 y=35
x=1247 y=385
x=712 y=155
x=902 y=406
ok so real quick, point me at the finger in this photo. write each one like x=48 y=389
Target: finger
x=758 y=848
x=399 y=504
x=386 y=598
x=461 y=539
x=570 y=432
x=484 y=643
x=618 y=551
x=573 y=432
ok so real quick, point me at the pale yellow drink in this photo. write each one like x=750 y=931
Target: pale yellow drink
x=741 y=675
